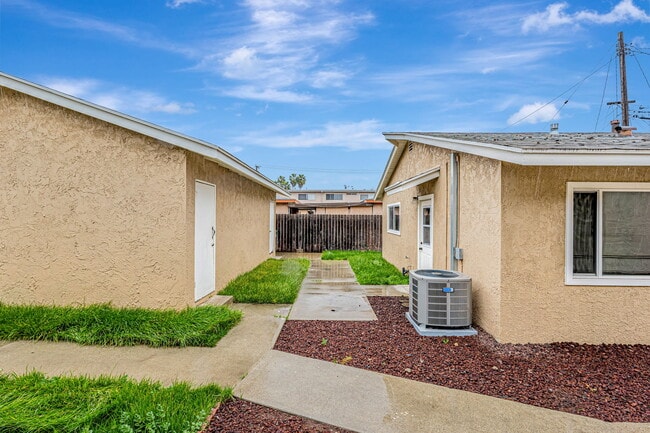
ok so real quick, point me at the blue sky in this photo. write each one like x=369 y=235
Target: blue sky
x=309 y=86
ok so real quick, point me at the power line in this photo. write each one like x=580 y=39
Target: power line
x=574 y=87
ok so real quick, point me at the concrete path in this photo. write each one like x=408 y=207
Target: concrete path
x=330 y=292
x=225 y=364
x=343 y=396
x=364 y=401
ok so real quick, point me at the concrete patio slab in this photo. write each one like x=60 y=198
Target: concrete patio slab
x=365 y=401
x=225 y=364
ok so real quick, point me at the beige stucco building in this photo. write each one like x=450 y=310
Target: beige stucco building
x=554 y=230
x=331 y=202
x=97 y=206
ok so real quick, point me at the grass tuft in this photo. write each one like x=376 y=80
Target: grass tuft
x=105 y=325
x=369 y=267
x=272 y=282
x=35 y=403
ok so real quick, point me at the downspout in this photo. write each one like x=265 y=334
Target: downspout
x=453 y=210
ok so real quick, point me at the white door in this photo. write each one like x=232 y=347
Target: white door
x=271 y=227
x=205 y=216
x=425 y=232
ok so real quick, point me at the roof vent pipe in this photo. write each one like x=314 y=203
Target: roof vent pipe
x=555 y=128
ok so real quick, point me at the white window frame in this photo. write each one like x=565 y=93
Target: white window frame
x=333 y=196
x=389 y=220
x=598 y=279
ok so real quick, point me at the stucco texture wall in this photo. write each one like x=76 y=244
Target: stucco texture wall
x=479 y=235
x=402 y=249
x=89 y=212
x=243 y=219
x=536 y=305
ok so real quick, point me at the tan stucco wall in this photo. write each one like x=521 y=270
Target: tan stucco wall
x=479 y=235
x=402 y=250
x=282 y=209
x=243 y=219
x=89 y=212
x=536 y=304
x=512 y=232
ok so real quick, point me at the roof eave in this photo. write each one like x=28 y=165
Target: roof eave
x=200 y=147
x=393 y=159
x=545 y=157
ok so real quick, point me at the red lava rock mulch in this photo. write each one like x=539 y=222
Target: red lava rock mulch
x=239 y=416
x=609 y=382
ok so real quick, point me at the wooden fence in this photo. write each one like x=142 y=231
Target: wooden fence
x=315 y=233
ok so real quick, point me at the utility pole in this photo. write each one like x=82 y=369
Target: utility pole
x=624 y=102
x=621 y=64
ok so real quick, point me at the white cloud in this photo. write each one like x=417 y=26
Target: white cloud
x=324 y=79
x=625 y=11
x=555 y=15
x=268 y=94
x=507 y=56
x=363 y=135
x=273 y=18
x=535 y=113
x=94 y=26
x=284 y=46
x=174 y=4
x=117 y=98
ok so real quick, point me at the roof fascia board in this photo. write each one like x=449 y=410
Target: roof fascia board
x=200 y=147
x=391 y=164
x=411 y=182
x=518 y=156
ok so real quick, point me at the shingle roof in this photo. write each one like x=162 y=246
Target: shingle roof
x=537 y=149
x=539 y=141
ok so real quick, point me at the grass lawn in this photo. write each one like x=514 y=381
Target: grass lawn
x=272 y=282
x=35 y=403
x=104 y=325
x=369 y=267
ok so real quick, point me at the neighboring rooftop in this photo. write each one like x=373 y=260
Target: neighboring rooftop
x=340 y=191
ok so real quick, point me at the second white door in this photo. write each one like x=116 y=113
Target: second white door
x=425 y=232
x=205 y=216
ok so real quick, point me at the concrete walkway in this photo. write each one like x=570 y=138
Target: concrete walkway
x=330 y=292
x=365 y=401
x=343 y=396
x=225 y=364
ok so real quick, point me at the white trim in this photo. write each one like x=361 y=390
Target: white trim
x=200 y=147
x=388 y=219
x=515 y=155
x=598 y=279
x=391 y=164
x=414 y=181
